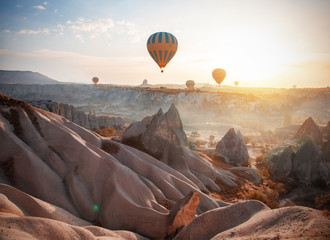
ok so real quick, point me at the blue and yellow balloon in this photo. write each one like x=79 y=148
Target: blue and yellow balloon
x=162 y=47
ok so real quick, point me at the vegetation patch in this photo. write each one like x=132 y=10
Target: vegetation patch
x=106 y=132
x=270 y=198
x=110 y=147
x=165 y=203
x=322 y=202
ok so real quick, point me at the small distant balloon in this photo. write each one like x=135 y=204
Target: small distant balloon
x=95 y=80
x=219 y=75
x=190 y=84
x=236 y=83
x=162 y=47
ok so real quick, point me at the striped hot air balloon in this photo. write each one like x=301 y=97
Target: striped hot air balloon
x=162 y=47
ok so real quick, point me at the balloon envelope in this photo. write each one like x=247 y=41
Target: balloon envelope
x=95 y=80
x=219 y=75
x=162 y=47
x=236 y=83
x=190 y=84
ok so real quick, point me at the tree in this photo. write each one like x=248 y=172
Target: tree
x=286 y=120
x=211 y=141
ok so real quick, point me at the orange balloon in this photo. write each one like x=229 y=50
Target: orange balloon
x=190 y=84
x=219 y=75
x=95 y=80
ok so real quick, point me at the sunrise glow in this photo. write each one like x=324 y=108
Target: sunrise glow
x=266 y=44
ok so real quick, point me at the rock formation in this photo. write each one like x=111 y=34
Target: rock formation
x=232 y=147
x=281 y=223
x=71 y=113
x=310 y=129
x=99 y=180
x=163 y=137
x=308 y=164
x=301 y=159
x=60 y=180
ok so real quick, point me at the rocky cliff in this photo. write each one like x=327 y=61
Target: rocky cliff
x=89 y=121
x=258 y=109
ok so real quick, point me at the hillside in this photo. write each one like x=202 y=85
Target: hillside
x=24 y=77
x=58 y=178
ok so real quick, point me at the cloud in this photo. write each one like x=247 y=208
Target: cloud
x=59 y=30
x=19 y=5
x=96 y=26
x=6 y=31
x=80 y=37
x=33 y=32
x=45 y=3
x=39 y=7
x=105 y=27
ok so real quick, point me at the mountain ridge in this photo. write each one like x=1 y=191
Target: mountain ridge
x=25 y=77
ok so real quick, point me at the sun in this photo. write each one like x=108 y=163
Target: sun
x=249 y=55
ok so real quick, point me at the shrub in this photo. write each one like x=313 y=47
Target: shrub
x=272 y=184
x=211 y=141
x=105 y=132
x=260 y=160
x=257 y=195
x=200 y=143
x=110 y=147
x=269 y=200
x=322 y=201
x=265 y=173
x=195 y=134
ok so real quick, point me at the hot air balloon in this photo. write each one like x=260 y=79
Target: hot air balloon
x=236 y=83
x=95 y=80
x=190 y=84
x=219 y=75
x=162 y=47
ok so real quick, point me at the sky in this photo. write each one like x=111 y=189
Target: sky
x=260 y=43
